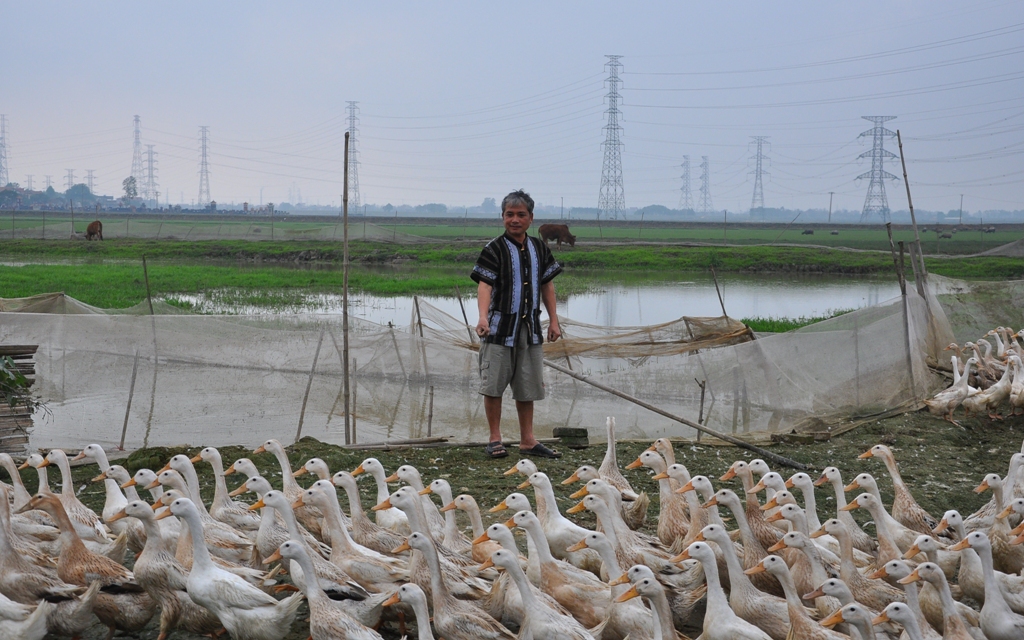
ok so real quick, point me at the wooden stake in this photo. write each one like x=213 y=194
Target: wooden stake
x=719 y=291
x=131 y=394
x=764 y=453
x=430 y=413
x=344 y=295
x=309 y=383
x=469 y=329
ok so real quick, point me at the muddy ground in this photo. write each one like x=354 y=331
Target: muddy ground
x=941 y=462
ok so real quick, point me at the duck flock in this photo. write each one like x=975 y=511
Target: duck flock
x=984 y=383
x=775 y=571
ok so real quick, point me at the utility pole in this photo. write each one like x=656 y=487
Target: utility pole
x=5 y=175
x=612 y=197
x=204 y=168
x=353 y=154
x=830 y=194
x=961 y=210
x=876 y=203
x=137 y=152
x=705 y=186
x=757 y=202
x=685 y=197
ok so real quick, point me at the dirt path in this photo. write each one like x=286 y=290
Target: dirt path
x=941 y=463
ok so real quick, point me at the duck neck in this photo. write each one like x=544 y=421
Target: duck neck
x=419 y=609
x=382 y=484
x=154 y=537
x=878 y=514
x=837 y=487
x=44 y=483
x=21 y=495
x=913 y=629
x=354 y=506
x=220 y=491
x=716 y=595
x=339 y=534
x=810 y=550
x=847 y=567
x=438 y=589
x=67 y=485
x=910 y=590
x=894 y=472
x=474 y=517
x=661 y=611
x=951 y=621
x=451 y=527
x=540 y=542
x=68 y=539
x=288 y=482
x=753 y=504
x=796 y=606
x=993 y=591
x=288 y=515
x=746 y=533
x=610 y=456
x=192 y=484
x=311 y=587
x=530 y=602
x=607 y=522
x=810 y=508
x=547 y=508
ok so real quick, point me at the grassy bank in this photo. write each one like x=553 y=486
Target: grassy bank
x=781 y=325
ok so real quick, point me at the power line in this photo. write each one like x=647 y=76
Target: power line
x=612 y=197
x=876 y=203
x=204 y=169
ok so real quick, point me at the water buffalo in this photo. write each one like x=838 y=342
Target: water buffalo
x=807 y=232
x=559 y=232
x=94 y=230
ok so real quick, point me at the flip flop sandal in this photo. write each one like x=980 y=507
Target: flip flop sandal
x=540 y=451
x=495 y=450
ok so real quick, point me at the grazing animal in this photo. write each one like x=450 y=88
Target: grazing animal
x=833 y=233
x=807 y=232
x=946 y=235
x=559 y=232
x=94 y=230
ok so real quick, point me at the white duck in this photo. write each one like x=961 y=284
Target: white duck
x=392 y=518
x=998 y=621
x=720 y=621
x=223 y=508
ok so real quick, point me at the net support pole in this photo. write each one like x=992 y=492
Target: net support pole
x=131 y=394
x=897 y=260
x=398 y=352
x=145 y=274
x=423 y=347
x=344 y=298
x=355 y=392
x=465 y=318
x=309 y=384
x=721 y=301
x=699 y=427
x=430 y=414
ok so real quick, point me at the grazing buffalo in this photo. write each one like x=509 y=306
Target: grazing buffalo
x=948 y=236
x=94 y=230
x=807 y=232
x=559 y=232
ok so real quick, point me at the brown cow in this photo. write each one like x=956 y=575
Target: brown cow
x=94 y=230
x=559 y=232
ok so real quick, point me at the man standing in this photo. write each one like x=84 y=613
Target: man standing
x=514 y=275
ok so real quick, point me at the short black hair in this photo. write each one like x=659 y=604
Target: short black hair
x=517 y=197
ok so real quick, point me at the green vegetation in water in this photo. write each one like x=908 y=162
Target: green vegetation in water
x=781 y=325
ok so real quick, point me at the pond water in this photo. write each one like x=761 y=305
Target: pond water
x=619 y=304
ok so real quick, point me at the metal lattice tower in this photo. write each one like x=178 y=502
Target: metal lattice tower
x=5 y=176
x=137 y=152
x=28 y=181
x=90 y=180
x=69 y=180
x=149 y=185
x=876 y=203
x=760 y=160
x=685 y=197
x=612 y=199
x=705 y=186
x=353 y=155
x=204 y=168
x=49 y=181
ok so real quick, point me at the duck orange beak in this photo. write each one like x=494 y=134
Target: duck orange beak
x=878 y=575
x=775 y=517
x=130 y=483
x=301 y=471
x=942 y=526
x=850 y=487
x=771 y=504
x=152 y=485
x=483 y=537
x=759 y=487
x=911 y=552
x=448 y=507
x=817 y=593
x=758 y=568
x=728 y=475
x=393 y=600
x=636 y=464
x=24 y=465
x=685 y=555
x=426 y=491
x=392 y=478
x=402 y=547
x=510 y=523
x=382 y=506
x=572 y=479
x=833 y=619
x=157 y=505
x=298 y=503
x=820 y=481
x=196 y=458
x=882 y=617
x=259 y=505
x=850 y=506
x=819 y=532
x=699 y=537
x=778 y=546
x=46 y=463
x=358 y=471
x=1017 y=540
x=166 y=467
x=501 y=506
x=711 y=503
x=653 y=447
x=623 y=579
x=230 y=470
x=789 y=483
x=487 y=564
x=982 y=488
x=1005 y=512
x=80 y=456
x=577 y=508
x=913 y=577
x=579 y=546
x=867 y=454
x=629 y=595
x=686 y=487
x=117 y=516
x=960 y=546
x=274 y=557
x=660 y=476
x=102 y=476
x=239 y=491
x=511 y=472
x=260 y=449
x=582 y=493
x=166 y=513
x=523 y=485
x=1019 y=529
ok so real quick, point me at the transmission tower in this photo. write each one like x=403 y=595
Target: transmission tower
x=705 y=186
x=5 y=176
x=137 y=152
x=353 y=155
x=69 y=180
x=149 y=184
x=685 y=197
x=90 y=180
x=204 y=169
x=876 y=203
x=49 y=181
x=757 y=203
x=28 y=181
x=612 y=198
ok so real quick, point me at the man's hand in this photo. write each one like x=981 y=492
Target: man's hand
x=554 y=331
x=482 y=328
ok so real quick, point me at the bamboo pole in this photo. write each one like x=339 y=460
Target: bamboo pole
x=131 y=394
x=309 y=383
x=898 y=263
x=430 y=413
x=699 y=427
x=355 y=391
x=719 y=292
x=344 y=295
x=465 y=318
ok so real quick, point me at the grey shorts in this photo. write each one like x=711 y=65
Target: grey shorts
x=522 y=367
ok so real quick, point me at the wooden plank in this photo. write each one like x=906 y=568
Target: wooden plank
x=18 y=349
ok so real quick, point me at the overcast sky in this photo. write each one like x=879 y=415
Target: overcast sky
x=465 y=100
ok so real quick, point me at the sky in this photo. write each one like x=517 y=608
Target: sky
x=461 y=101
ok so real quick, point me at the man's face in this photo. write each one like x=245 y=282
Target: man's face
x=517 y=219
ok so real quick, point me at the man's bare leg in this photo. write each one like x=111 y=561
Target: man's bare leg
x=492 y=409
x=525 y=411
